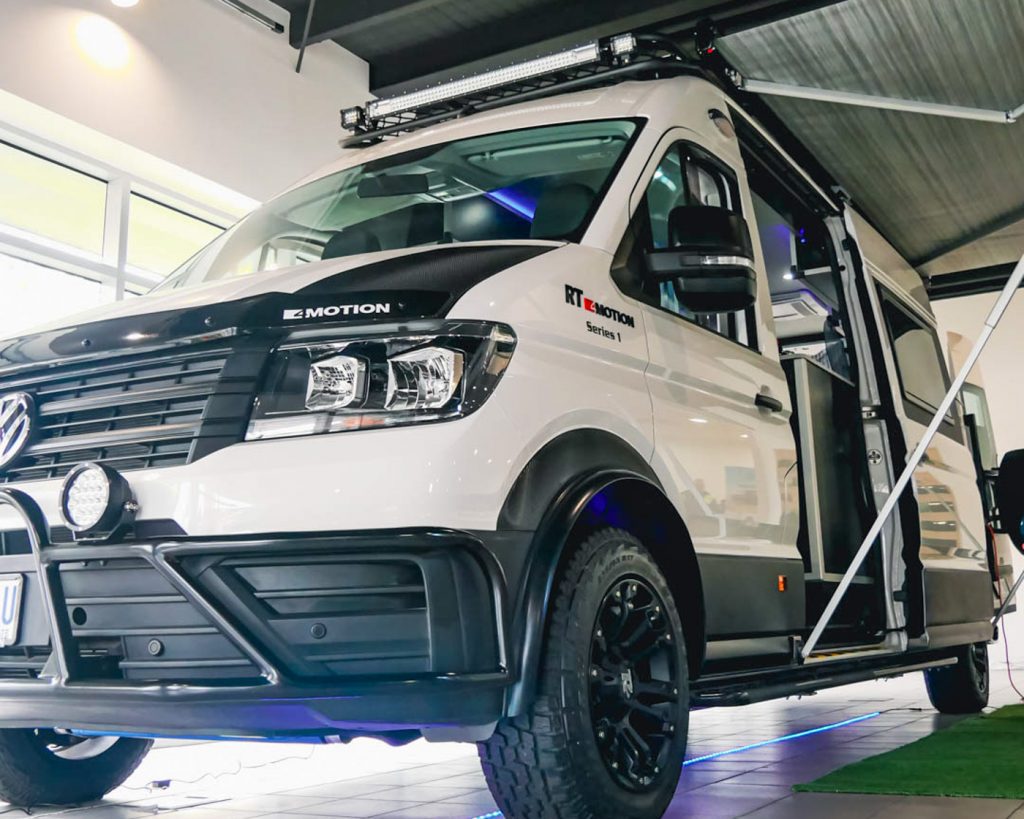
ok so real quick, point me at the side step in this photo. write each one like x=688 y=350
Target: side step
x=797 y=684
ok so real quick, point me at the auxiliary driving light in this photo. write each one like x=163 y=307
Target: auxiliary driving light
x=95 y=501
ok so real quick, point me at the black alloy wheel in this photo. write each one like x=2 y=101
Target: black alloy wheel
x=605 y=736
x=634 y=691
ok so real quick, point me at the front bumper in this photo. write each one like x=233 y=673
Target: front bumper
x=278 y=636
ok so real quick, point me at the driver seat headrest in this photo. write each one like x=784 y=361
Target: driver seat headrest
x=560 y=210
x=350 y=242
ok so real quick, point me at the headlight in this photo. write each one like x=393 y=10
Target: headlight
x=366 y=381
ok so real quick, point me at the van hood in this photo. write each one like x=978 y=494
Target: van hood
x=403 y=284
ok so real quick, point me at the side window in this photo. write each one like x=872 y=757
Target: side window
x=915 y=345
x=687 y=175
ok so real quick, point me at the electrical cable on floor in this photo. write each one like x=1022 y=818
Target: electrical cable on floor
x=1002 y=619
x=155 y=785
x=158 y=784
x=1006 y=652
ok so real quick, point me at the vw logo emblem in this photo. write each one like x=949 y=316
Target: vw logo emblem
x=17 y=410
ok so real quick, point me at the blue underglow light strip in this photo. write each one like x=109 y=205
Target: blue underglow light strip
x=810 y=732
x=786 y=738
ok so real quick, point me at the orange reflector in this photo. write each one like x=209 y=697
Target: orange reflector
x=782 y=582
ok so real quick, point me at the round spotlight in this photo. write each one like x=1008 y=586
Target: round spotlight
x=125 y=4
x=95 y=500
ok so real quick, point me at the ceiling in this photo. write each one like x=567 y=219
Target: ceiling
x=948 y=193
x=410 y=43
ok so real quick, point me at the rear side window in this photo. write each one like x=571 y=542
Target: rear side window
x=922 y=373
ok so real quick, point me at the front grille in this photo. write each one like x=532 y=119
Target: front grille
x=131 y=412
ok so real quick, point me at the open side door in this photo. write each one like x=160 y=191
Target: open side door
x=981 y=437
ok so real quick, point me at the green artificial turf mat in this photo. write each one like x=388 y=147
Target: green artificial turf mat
x=980 y=756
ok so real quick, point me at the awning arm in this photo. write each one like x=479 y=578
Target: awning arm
x=915 y=458
x=936 y=109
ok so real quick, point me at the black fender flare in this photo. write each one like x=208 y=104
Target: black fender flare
x=553 y=497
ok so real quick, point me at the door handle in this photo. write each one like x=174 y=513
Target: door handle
x=768 y=402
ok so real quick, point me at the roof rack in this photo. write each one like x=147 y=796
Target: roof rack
x=600 y=62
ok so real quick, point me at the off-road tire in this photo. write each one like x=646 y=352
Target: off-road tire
x=961 y=688
x=30 y=774
x=547 y=764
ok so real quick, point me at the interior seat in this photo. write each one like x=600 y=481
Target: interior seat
x=560 y=210
x=350 y=242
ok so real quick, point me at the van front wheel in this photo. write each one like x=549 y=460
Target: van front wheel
x=44 y=767
x=606 y=735
x=961 y=688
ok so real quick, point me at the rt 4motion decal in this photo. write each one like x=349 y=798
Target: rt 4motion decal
x=575 y=297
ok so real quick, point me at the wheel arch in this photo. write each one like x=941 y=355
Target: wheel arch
x=582 y=481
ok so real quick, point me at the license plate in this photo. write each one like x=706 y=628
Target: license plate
x=10 y=608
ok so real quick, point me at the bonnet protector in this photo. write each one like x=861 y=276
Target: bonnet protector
x=421 y=285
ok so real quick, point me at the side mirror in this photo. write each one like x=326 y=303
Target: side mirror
x=710 y=257
x=1010 y=496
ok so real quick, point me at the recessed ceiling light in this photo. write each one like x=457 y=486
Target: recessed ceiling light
x=125 y=4
x=103 y=42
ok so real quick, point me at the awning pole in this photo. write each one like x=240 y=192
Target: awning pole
x=935 y=109
x=908 y=471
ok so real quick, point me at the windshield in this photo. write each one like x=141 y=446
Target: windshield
x=536 y=183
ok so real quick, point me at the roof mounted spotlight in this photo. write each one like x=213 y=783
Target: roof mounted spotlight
x=622 y=45
x=353 y=118
x=96 y=502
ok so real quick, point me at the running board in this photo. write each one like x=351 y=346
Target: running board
x=747 y=694
x=827 y=655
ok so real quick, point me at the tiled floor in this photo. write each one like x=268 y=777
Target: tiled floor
x=420 y=781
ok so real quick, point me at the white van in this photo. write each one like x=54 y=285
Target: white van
x=535 y=427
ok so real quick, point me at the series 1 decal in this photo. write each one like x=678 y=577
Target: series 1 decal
x=575 y=297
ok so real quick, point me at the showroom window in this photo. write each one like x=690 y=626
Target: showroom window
x=77 y=232
x=50 y=200
x=162 y=238
x=34 y=294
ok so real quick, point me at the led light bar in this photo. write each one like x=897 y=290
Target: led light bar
x=572 y=58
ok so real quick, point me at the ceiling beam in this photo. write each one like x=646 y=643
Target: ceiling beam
x=969 y=282
x=342 y=20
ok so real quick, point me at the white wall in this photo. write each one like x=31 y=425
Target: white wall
x=1002 y=363
x=204 y=87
